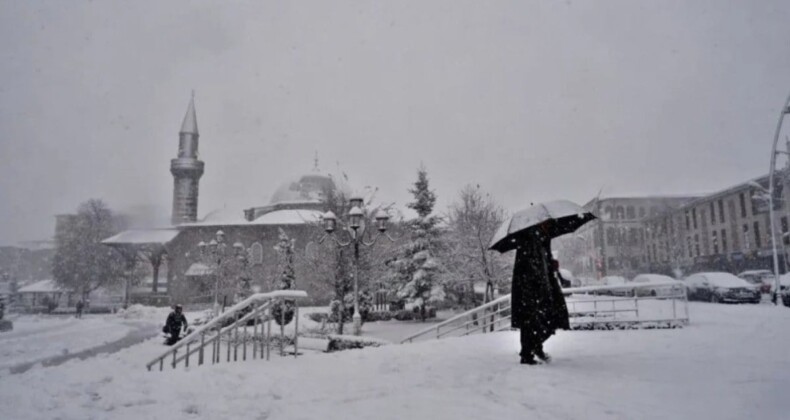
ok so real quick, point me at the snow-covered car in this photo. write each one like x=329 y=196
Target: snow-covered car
x=763 y=279
x=721 y=287
x=567 y=276
x=616 y=281
x=655 y=285
x=784 y=284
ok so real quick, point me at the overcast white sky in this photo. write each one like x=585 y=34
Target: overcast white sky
x=531 y=100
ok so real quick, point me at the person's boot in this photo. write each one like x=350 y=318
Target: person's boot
x=528 y=360
x=543 y=355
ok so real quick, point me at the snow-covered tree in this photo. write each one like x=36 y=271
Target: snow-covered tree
x=416 y=267
x=472 y=221
x=81 y=262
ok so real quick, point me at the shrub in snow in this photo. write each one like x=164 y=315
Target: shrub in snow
x=283 y=312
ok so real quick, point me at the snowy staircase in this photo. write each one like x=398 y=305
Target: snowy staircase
x=243 y=331
x=490 y=317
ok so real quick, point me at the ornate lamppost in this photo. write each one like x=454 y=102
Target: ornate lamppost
x=213 y=254
x=356 y=230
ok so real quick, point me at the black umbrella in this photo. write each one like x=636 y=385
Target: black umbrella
x=554 y=218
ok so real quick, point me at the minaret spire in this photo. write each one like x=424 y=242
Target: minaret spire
x=315 y=162
x=186 y=169
x=190 y=119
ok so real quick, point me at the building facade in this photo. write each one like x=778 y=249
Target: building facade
x=614 y=243
x=729 y=230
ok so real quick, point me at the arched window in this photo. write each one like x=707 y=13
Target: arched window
x=311 y=251
x=620 y=213
x=630 y=212
x=256 y=253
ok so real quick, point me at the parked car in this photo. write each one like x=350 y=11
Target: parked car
x=784 y=283
x=763 y=279
x=615 y=281
x=721 y=287
x=655 y=285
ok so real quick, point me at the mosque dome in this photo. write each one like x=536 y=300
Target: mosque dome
x=308 y=188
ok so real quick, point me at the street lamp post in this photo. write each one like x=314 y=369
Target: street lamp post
x=356 y=230
x=213 y=254
x=784 y=111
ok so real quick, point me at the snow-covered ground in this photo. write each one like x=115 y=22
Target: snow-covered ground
x=731 y=363
x=39 y=337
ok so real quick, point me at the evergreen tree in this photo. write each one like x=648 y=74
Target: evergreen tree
x=416 y=268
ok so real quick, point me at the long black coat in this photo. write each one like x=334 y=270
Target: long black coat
x=537 y=303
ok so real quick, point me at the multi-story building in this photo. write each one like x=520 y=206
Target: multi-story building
x=729 y=230
x=614 y=244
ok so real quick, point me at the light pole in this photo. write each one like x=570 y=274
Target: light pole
x=784 y=111
x=213 y=254
x=356 y=230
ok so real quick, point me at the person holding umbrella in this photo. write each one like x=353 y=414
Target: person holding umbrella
x=538 y=306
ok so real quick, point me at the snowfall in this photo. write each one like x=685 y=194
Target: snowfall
x=731 y=362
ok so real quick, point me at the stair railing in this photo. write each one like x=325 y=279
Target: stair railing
x=490 y=317
x=213 y=332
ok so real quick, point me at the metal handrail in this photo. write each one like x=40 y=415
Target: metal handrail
x=678 y=292
x=241 y=321
x=214 y=322
x=502 y=299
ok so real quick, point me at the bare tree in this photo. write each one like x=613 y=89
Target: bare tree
x=472 y=221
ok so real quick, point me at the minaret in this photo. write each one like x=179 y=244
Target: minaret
x=186 y=170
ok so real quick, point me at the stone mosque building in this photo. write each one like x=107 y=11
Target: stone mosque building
x=184 y=256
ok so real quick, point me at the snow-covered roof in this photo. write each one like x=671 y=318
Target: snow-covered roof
x=199 y=269
x=142 y=236
x=277 y=217
x=43 y=286
x=288 y=217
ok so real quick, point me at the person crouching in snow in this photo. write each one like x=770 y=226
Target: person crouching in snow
x=173 y=325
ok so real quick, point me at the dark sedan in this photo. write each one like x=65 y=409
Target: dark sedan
x=721 y=287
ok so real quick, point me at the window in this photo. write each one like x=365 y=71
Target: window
x=620 y=213
x=757 y=240
x=256 y=253
x=721 y=211
x=746 y=237
x=688 y=221
x=743 y=204
x=785 y=237
x=694 y=217
x=724 y=241
x=655 y=252
x=712 y=213
x=630 y=212
x=633 y=238
x=696 y=244
x=641 y=212
x=688 y=246
x=715 y=242
x=611 y=237
x=608 y=212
